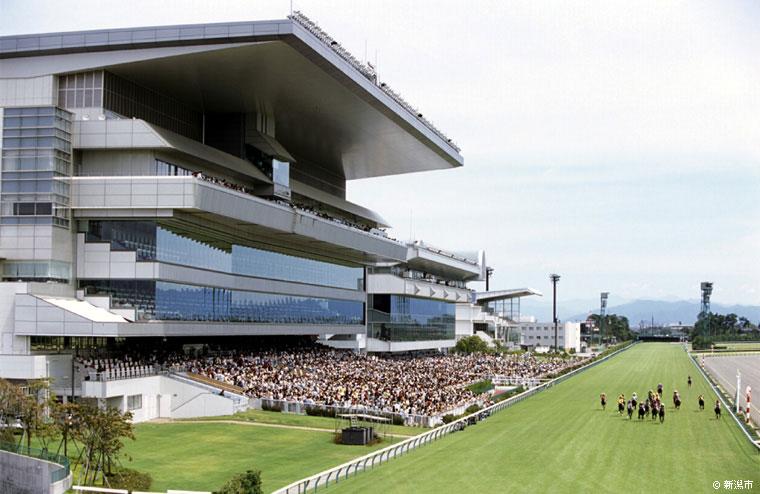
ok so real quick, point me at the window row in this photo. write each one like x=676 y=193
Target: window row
x=41 y=131
x=36 y=160
x=51 y=121
x=36 y=142
x=37 y=271
x=162 y=300
x=153 y=242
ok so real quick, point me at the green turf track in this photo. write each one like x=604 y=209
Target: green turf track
x=561 y=441
x=193 y=456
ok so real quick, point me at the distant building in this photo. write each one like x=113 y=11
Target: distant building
x=541 y=334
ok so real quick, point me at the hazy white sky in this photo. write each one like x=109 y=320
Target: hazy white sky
x=615 y=143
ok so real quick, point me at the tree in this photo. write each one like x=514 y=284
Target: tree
x=65 y=417
x=35 y=403
x=248 y=482
x=614 y=325
x=100 y=431
x=471 y=344
x=10 y=407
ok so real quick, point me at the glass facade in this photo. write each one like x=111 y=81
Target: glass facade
x=401 y=318
x=154 y=242
x=167 y=301
x=40 y=271
x=36 y=166
x=162 y=168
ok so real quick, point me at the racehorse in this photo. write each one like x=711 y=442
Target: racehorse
x=646 y=407
x=662 y=413
x=630 y=410
x=701 y=402
x=678 y=402
x=655 y=408
x=641 y=411
x=633 y=400
x=717 y=409
x=604 y=401
x=621 y=407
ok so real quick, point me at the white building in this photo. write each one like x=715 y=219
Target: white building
x=541 y=334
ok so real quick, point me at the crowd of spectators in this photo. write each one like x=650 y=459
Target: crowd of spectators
x=410 y=385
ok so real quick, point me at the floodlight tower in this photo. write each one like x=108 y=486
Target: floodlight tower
x=706 y=292
x=602 y=310
x=707 y=287
x=555 y=278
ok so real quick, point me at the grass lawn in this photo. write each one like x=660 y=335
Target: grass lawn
x=194 y=456
x=561 y=441
x=293 y=419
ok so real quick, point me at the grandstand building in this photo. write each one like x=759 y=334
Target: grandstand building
x=493 y=316
x=189 y=182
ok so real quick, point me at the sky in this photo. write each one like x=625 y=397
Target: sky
x=616 y=144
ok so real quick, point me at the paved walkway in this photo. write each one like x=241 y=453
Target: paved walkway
x=257 y=424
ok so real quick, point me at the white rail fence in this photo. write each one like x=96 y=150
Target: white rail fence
x=376 y=459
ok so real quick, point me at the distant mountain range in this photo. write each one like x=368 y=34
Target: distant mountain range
x=663 y=312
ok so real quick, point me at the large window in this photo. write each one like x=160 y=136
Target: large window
x=134 y=402
x=41 y=271
x=179 y=302
x=153 y=242
x=36 y=161
x=82 y=90
x=401 y=318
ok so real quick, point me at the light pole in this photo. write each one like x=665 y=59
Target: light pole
x=555 y=278
x=601 y=317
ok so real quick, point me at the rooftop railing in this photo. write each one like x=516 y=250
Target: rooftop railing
x=367 y=71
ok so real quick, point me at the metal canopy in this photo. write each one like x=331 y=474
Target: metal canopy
x=505 y=294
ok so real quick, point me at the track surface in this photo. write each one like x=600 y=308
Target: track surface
x=724 y=370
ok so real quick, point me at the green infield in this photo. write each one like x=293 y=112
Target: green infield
x=561 y=441
x=203 y=456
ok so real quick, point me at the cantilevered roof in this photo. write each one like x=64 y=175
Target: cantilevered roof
x=326 y=108
x=208 y=154
x=505 y=294
x=136 y=133
x=337 y=203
